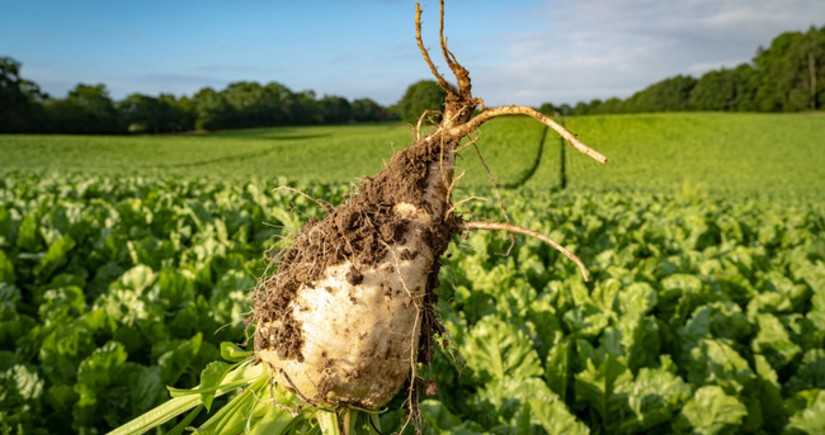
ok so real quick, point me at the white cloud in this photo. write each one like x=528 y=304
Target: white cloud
x=601 y=48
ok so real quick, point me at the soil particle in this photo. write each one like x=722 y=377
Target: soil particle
x=324 y=387
x=430 y=387
x=408 y=255
x=354 y=276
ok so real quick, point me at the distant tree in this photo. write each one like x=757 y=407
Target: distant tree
x=250 y=104
x=812 y=51
x=278 y=98
x=724 y=89
x=87 y=109
x=565 y=109
x=671 y=94
x=179 y=113
x=20 y=99
x=792 y=71
x=335 y=110
x=304 y=109
x=548 y=109
x=212 y=110
x=140 y=113
x=746 y=83
x=581 y=108
x=420 y=96
x=776 y=78
x=594 y=105
x=367 y=110
x=551 y=109
x=163 y=114
x=611 y=105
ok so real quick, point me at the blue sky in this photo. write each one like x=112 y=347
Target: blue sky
x=525 y=52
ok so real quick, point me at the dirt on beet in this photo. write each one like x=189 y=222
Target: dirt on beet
x=357 y=231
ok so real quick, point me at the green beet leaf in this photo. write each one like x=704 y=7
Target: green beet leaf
x=440 y=420
x=524 y=405
x=15 y=328
x=495 y=350
x=55 y=257
x=27 y=238
x=234 y=353
x=20 y=392
x=211 y=377
x=65 y=346
x=558 y=365
x=175 y=356
x=717 y=363
x=601 y=388
x=229 y=299
x=810 y=419
x=773 y=341
x=763 y=399
x=711 y=411
x=7 y=228
x=654 y=396
x=95 y=375
x=810 y=374
x=6 y=269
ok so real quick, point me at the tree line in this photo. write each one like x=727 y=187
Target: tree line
x=788 y=76
x=88 y=109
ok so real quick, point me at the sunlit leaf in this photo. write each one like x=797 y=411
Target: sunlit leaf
x=711 y=411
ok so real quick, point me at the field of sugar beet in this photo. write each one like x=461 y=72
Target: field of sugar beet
x=125 y=262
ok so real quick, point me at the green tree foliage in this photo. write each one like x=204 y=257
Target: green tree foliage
x=19 y=99
x=610 y=105
x=335 y=110
x=793 y=72
x=212 y=109
x=367 y=110
x=668 y=95
x=184 y=112
x=725 y=89
x=280 y=100
x=581 y=108
x=550 y=109
x=249 y=104
x=253 y=105
x=146 y=114
x=87 y=109
x=420 y=96
x=304 y=108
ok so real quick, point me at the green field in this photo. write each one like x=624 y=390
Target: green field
x=714 y=152
x=126 y=261
x=317 y=154
x=728 y=153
